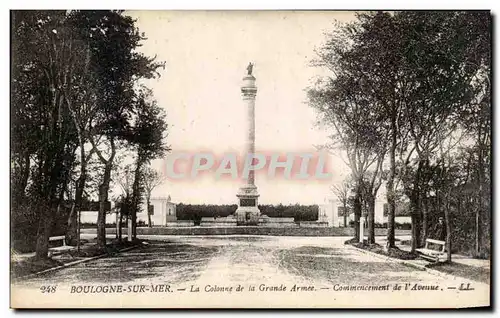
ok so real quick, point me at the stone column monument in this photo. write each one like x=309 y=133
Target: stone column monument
x=248 y=213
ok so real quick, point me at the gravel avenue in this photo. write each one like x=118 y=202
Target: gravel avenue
x=239 y=271
x=271 y=263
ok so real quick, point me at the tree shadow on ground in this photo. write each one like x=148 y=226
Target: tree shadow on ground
x=479 y=274
x=173 y=263
x=342 y=269
x=318 y=250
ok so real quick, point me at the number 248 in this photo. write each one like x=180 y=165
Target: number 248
x=48 y=289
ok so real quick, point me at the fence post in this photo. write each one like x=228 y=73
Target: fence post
x=361 y=229
x=129 y=232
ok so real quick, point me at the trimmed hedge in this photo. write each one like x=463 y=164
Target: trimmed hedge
x=249 y=230
x=195 y=212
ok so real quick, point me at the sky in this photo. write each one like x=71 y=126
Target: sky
x=206 y=54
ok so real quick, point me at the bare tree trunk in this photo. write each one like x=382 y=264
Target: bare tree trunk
x=135 y=202
x=136 y=195
x=104 y=191
x=26 y=174
x=391 y=198
x=44 y=230
x=425 y=225
x=103 y=198
x=71 y=233
x=447 y=219
x=148 y=199
x=345 y=213
x=83 y=171
x=80 y=187
x=120 y=226
x=79 y=230
x=413 y=232
x=415 y=224
x=21 y=177
x=101 y=216
x=371 y=220
x=357 y=212
x=127 y=217
x=47 y=203
x=117 y=222
x=479 y=202
x=478 y=231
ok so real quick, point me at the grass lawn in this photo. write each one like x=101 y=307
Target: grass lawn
x=479 y=274
x=379 y=249
x=30 y=265
x=457 y=269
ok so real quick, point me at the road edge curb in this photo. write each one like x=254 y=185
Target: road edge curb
x=52 y=269
x=405 y=262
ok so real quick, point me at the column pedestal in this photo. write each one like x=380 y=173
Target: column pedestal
x=248 y=212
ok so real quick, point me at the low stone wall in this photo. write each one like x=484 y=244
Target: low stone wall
x=180 y=223
x=245 y=230
x=218 y=222
x=313 y=224
x=275 y=224
x=276 y=220
x=249 y=230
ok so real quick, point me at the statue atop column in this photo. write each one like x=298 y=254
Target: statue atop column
x=249 y=68
x=248 y=212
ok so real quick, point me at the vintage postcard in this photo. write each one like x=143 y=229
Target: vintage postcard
x=250 y=159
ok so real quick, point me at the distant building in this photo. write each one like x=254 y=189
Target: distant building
x=326 y=213
x=162 y=210
x=402 y=213
x=90 y=210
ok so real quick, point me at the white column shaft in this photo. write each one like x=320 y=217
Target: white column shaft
x=250 y=144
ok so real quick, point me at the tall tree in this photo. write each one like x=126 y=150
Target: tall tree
x=148 y=138
x=370 y=186
x=413 y=70
x=343 y=191
x=74 y=79
x=436 y=64
x=474 y=31
x=152 y=178
x=125 y=179
x=42 y=67
x=118 y=66
x=345 y=103
x=376 y=58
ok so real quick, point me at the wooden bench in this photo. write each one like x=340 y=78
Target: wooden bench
x=434 y=255
x=59 y=249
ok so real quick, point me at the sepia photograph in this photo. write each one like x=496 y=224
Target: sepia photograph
x=250 y=159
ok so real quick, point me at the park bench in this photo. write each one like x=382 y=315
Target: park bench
x=435 y=254
x=59 y=249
